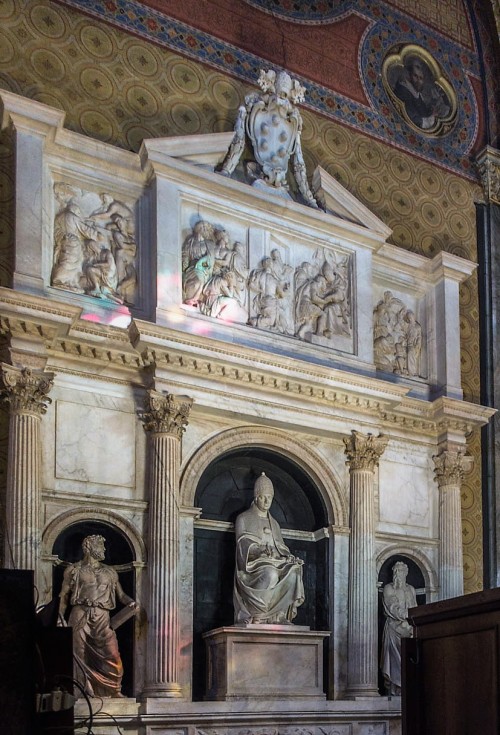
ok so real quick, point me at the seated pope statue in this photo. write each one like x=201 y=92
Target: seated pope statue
x=268 y=584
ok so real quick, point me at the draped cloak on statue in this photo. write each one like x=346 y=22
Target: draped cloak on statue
x=98 y=665
x=268 y=584
x=396 y=602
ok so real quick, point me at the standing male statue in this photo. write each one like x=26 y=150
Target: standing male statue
x=398 y=596
x=268 y=584
x=92 y=587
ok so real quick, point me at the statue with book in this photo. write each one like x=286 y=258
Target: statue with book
x=91 y=588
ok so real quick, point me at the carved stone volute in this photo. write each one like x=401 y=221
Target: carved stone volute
x=364 y=450
x=165 y=413
x=24 y=390
x=488 y=164
x=450 y=466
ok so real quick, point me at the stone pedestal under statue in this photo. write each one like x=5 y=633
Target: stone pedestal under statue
x=262 y=660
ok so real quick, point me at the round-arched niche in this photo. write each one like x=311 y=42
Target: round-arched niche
x=415 y=577
x=119 y=553
x=224 y=490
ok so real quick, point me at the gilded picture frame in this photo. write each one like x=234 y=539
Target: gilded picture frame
x=419 y=90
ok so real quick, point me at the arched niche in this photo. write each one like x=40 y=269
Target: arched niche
x=416 y=577
x=311 y=462
x=225 y=489
x=67 y=549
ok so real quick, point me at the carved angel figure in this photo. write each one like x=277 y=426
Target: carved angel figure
x=273 y=125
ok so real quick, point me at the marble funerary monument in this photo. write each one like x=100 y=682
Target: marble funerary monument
x=182 y=321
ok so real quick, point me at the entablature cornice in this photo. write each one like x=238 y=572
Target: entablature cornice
x=144 y=353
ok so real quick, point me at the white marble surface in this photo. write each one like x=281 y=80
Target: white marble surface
x=264 y=661
x=93 y=445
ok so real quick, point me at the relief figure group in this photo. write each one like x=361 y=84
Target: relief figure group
x=311 y=300
x=94 y=253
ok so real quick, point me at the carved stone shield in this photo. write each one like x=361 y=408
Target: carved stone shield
x=273 y=133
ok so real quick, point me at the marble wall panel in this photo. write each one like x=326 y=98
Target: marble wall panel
x=404 y=496
x=94 y=445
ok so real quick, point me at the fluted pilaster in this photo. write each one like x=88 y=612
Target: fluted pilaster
x=165 y=419
x=26 y=392
x=450 y=467
x=363 y=454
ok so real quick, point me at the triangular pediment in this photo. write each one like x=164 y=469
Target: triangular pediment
x=209 y=151
x=340 y=202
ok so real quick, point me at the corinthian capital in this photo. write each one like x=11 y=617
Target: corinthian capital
x=165 y=413
x=488 y=164
x=25 y=390
x=364 y=450
x=451 y=465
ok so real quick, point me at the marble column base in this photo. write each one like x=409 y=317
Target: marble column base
x=166 y=691
x=264 y=661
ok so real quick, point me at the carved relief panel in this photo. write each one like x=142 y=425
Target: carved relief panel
x=397 y=338
x=290 y=289
x=95 y=250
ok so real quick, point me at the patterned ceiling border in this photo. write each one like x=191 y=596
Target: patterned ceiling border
x=388 y=28
x=322 y=12
x=305 y=12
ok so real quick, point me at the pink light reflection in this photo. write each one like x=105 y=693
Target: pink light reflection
x=118 y=317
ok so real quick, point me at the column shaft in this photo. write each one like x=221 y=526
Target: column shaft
x=23 y=492
x=450 y=466
x=26 y=393
x=362 y=617
x=363 y=453
x=164 y=420
x=450 y=533
x=163 y=632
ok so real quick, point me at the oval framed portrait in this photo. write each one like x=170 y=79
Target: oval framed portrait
x=419 y=91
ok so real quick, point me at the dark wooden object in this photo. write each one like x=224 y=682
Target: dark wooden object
x=451 y=669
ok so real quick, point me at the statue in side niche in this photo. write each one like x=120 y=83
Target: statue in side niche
x=91 y=588
x=398 y=597
x=273 y=125
x=268 y=584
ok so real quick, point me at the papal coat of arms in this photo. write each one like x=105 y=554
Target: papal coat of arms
x=273 y=124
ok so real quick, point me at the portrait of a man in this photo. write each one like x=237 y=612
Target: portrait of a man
x=419 y=91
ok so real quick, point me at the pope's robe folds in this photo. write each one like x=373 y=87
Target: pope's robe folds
x=268 y=580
